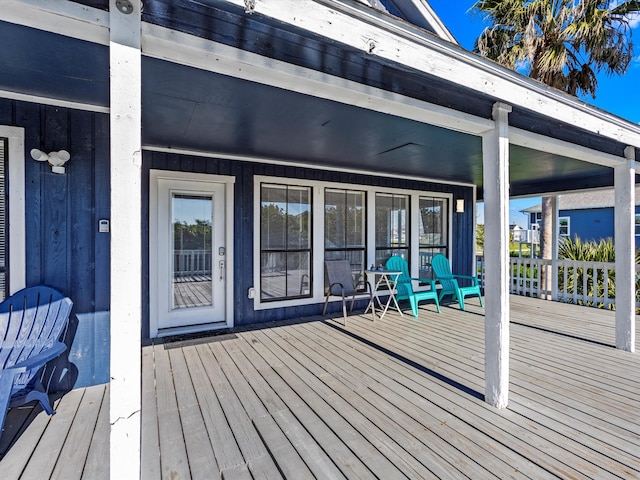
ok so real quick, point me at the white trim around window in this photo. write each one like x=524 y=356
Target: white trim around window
x=317 y=245
x=16 y=226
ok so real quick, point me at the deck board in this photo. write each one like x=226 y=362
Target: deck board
x=398 y=398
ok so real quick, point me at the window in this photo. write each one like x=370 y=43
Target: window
x=345 y=227
x=3 y=221
x=564 y=226
x=433 y=231
x=637 y=225
x=299 y=224
x=392 y=226
x=285 y=242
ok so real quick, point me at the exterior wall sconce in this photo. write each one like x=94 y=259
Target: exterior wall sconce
x=460 y=205
x=55 y=159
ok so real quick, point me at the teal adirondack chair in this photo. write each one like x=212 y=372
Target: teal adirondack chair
x=31 y=323
x=450 y=286
x=405 y=288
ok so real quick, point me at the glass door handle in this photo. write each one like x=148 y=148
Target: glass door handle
x=221 y=263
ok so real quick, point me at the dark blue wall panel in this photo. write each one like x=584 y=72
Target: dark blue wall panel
x=244 y=172
x=64 y=249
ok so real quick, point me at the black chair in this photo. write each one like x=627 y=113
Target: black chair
x=339 y=281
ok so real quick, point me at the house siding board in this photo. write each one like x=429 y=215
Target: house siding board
x=62 y=248
x=244 y=173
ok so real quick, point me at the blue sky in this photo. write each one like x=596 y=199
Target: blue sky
x=610 y=96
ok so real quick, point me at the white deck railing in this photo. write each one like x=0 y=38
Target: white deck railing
x=578 y=282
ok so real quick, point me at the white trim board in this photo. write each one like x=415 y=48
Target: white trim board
x=524 y=138
x=16 y=227
x=53 y=102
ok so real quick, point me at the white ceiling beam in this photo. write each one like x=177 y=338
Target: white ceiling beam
x=535 y=141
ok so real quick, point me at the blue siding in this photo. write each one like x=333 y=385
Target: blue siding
x=244 y=172
x=589 y=225
x=593 y=224
x=64 y=249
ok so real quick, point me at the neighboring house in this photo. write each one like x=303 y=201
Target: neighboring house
x=221 y=150
x=588 y=215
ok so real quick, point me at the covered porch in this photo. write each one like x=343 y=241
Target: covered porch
x=402 y=397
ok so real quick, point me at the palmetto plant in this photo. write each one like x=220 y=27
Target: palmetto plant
x=593 y=279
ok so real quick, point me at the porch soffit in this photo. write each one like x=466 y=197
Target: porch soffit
x=223 y=114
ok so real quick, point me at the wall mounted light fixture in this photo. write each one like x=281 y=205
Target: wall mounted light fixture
x=55 y=159
x=460 y=205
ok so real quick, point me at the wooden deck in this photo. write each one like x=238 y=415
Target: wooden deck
x=401 y=398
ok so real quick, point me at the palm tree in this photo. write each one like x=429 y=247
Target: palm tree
x=562 y=43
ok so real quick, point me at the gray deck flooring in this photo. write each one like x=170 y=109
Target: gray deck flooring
x=398 y=398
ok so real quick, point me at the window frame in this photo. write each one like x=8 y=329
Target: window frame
x=346 y=249
x=318 y=233
x=568 y=220
x=286 y=250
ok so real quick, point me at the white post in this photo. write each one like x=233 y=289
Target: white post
x=126 y=257
x=624 y=182
x=495 y=159
x=552 y=277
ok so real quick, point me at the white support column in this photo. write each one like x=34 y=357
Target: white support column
x=495 y=153
x=552 y=278
x=624 y=182
x=126 y=257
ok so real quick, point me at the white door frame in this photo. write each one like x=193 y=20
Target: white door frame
x=16 y=225
x=154 y=254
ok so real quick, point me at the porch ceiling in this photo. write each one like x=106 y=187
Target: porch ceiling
x=188 y=108
x=191 y=109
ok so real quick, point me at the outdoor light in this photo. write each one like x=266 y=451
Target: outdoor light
x=460 y=205
x=55 y=159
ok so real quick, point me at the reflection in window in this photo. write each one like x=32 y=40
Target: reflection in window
x=285 y=242
x=345 y=228
x=433 y=231
x=192 y=235
x=637 y=225
x=392 y=226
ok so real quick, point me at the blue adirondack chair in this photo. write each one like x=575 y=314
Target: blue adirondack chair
x=32 y=321
x=450 y=286
x=404 y=285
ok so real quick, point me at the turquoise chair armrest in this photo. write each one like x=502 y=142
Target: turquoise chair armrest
x=473 y=278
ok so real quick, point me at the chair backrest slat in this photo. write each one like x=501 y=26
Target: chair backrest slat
x=442 y=269
x=403 y=285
